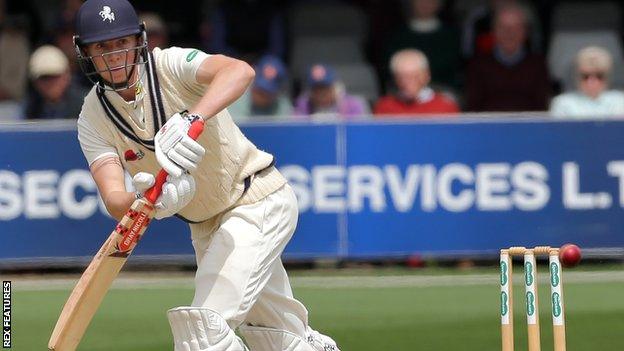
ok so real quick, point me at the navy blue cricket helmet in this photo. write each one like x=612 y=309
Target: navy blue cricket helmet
x=103 y=20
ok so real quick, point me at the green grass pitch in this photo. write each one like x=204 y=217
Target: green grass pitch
x=439 y=315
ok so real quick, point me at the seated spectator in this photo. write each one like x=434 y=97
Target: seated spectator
x=67 y=12
x=478 y=33
x=14 y=48
x=511 y=78
x=157 y=33
x=266 y=96
x=62 y=36
x=326 y=97
x=53 y=95
x=592 y=99
x=414 y=96
x=438 y=41
x=245 y=29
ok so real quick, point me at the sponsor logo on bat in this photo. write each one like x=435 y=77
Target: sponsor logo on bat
x=132 y=236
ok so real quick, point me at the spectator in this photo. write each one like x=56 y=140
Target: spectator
x=478 y=33
x=510 y=78
x=14 y=47
x=63 y=39
x=438 y=41
x=246 y=29
x=592 y=99
x=410 y=68
x=156 y=31
x=22 y=16
x=62 y=36
x=53 y=95
x=68 y=11
x=326 y=97
x=266 y=96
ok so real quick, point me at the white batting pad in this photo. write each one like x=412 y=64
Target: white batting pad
x=201 y=329
x=319 y=341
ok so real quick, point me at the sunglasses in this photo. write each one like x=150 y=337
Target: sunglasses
x=597 y=75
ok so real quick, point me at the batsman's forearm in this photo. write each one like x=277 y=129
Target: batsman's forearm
x=118 y=202
x=226 y=87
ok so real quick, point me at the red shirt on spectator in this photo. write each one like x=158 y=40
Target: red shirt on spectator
x=428 y=102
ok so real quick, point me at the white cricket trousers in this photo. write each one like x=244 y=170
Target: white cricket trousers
x=239 y=271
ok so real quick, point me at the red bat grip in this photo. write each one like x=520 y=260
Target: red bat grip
x=154 y=192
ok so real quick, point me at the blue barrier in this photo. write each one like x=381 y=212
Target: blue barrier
x=365 y=189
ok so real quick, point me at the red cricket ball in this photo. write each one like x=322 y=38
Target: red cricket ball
x=569 y=255
x=415 y=261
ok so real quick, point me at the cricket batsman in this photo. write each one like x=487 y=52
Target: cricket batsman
x=240 y=209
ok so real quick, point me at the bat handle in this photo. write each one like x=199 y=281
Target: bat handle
x=154 y=192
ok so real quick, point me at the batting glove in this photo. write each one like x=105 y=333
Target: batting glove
x=176 y=193
x=176 y=152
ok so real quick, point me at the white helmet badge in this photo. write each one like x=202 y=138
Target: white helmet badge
x=107 y=14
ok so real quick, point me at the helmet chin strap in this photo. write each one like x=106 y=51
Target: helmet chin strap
x=124 y=84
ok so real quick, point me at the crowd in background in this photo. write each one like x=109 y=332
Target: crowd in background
x=348 y=59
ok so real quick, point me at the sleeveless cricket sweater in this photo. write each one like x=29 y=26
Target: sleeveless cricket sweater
x=233 y=171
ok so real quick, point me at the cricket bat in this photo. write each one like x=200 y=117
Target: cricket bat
x=88 y=293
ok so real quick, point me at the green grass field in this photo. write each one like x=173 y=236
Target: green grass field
x=370 y=310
